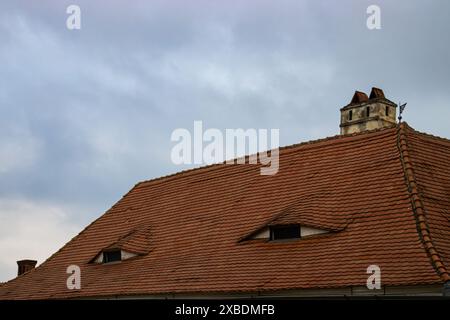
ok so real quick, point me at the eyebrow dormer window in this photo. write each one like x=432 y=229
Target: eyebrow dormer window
x=284 y=232
x=111 y=256
x=134 y=243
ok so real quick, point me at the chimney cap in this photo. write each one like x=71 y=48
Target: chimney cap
x=359 y=97
x=376 y=93
x=27 y=262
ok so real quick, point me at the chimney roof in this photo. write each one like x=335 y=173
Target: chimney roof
x=359 y=97
x=376 y=93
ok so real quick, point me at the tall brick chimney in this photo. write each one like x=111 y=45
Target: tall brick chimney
x=368 y=112
x=25 y=266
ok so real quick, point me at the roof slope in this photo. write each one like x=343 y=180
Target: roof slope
x=358 y=186
x=428 y=159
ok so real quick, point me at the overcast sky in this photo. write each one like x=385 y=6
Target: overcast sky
x=85 y=114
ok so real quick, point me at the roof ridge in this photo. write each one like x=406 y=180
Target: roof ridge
x=417 y=203
x=429 y=135
x=291 y=146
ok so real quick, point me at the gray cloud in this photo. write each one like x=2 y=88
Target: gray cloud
x=86 y=114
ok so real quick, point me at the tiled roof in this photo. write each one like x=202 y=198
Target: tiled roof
x=384 y=195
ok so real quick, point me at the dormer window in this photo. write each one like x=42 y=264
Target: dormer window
x=111 y=256
x=133 y=244
x=284 y=232
x=350 y=115
x=297 y=221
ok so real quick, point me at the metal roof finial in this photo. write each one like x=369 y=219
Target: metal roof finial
x=402 y=108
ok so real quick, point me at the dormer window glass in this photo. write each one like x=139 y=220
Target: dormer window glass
x=284 y=232
x=111 y=256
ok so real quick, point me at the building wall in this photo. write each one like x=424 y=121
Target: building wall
x=401 y=291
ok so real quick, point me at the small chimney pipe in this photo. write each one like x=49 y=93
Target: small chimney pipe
x=25 y=266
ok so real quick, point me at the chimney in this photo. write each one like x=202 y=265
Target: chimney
x=368 y=112
x=25 y=266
